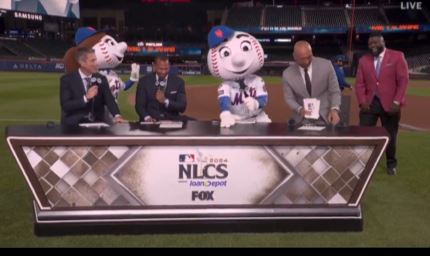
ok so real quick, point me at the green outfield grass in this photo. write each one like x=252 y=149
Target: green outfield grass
x=396 y=209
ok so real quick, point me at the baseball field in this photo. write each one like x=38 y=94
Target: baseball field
x=396 y=209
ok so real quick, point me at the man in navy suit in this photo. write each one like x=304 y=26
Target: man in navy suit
x=84 y=93
x=160 y=95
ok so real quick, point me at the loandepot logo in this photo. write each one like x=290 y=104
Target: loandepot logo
x=208 y=183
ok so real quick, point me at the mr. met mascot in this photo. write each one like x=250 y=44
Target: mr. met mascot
x=109 y=54
x=234 y=57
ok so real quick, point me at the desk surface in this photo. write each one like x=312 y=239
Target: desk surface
x=191 y=128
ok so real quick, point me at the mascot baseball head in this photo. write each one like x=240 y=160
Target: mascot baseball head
x=234 y=57
x=233 y=54
x=109 y=52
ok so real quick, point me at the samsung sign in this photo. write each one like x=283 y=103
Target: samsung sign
x=27 y=16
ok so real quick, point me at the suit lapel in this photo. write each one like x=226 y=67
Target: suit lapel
x=151 y=87
x=384 y=61
x=382 y=64
x=168 y=85
x=79 y=83
x=314 y=77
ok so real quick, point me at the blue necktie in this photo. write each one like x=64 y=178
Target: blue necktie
x=87 y=83
x=378 y=70
x=378 y=66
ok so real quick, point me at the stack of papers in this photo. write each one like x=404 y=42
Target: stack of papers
x=170 y=124
x=94 y=125
x=246 y=121
x=149 y=122
x=311 y=128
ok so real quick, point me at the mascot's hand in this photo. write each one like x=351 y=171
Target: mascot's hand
x=227 y=119
x=251 y=103
x=134 y=75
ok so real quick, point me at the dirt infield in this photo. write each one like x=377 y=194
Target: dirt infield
x=202 y=105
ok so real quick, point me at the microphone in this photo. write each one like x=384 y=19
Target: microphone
x=50 y=124
x=291 y=124
x=161 y=85
x=94 y=81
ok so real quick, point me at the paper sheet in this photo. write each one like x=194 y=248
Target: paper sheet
x=313 y=105
x=311 y=128
x=171 y=124
x=93 y=125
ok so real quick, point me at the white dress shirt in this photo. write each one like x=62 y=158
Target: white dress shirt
x=375 y=59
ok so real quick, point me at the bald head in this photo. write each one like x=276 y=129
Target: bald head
x=302 y=53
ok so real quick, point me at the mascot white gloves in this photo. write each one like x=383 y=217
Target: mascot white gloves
x=135 y=72
x=251 y=104
x=234 y=57
x=228 y=119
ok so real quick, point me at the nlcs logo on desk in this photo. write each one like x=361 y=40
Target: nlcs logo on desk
x=207 y=168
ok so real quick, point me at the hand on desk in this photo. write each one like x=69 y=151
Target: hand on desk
x=149 y=119
x=119 y=120
x=333 y=117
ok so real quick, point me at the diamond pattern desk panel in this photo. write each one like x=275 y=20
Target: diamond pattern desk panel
x=146 y=174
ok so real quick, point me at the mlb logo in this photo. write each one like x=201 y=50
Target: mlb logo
x=187 y=158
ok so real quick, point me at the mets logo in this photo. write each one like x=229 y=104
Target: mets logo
x=238 y=97
x=218 y=33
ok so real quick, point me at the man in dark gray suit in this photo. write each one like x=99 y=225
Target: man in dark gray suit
x=311 y=77
x=160 y=95
x=84 y=93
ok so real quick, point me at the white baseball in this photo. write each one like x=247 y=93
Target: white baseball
x=109 y=52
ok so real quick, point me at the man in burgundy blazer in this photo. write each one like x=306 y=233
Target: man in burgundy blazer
x=380 y=86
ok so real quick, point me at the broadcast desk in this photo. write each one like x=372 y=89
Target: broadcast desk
x=142 y=178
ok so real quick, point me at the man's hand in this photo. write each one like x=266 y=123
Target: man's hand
x=119 y=120
x=251 y=103
x=149 y=119
x=134 y=75
x=92 y=92
x=333 y=117
x=364 y=107
x=304 y=112
x=395 y=108
x=159 y=95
